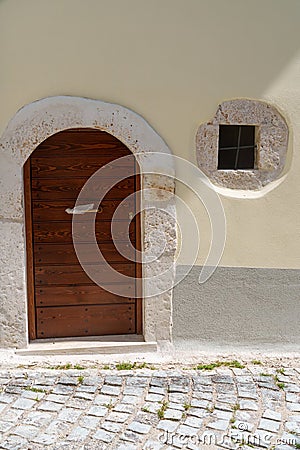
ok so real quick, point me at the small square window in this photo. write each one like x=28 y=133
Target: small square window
x=237 y=148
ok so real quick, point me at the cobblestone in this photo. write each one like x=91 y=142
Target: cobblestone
x=148 y=410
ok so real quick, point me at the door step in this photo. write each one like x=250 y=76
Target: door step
x=92 y=345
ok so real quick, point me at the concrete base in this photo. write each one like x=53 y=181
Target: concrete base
x=237 y=308
x=93 y=345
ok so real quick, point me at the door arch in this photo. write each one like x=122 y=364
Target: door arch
x=30 y=126
x=62 y=300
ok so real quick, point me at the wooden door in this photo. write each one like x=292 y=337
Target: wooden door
x=62 y=300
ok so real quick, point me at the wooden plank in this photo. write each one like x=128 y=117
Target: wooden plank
x=84 y=294
x=65 y=253
x=75 y=275
x=45 y=210
x=61 y=232
x=84 y=142
x=52 y=189
x=92 y=320
x=29 y=251
x=79 y=166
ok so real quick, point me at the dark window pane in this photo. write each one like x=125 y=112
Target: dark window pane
x=246 y=159
x=228 y=135
x=236 y=147
x=226 y=159
x=247 y=135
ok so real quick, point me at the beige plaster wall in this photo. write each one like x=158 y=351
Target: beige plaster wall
x=172 y=61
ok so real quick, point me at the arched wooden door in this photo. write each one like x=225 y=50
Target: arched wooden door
x=62 y=300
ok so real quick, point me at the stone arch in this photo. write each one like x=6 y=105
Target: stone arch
x=30 y=126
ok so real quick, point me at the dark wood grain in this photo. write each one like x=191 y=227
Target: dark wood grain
x=52 y=189
x=79 y=166
x=82 y=295
x=65 y=321
x=61 y=232
x=65 y=253
x=75 y=275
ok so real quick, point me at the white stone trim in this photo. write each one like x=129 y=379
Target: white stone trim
x=27 y=129
x=272 y=142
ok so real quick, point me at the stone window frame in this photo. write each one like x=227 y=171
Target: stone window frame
x=272 y=143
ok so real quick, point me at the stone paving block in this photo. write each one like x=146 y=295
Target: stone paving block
x=49 y=406
x=84 y=395
x=86 y=388
x=127 y=446
x=292 y=427
x=26 y=431
x=114 y=427
x=6 y=398
x=124 y=407
x=197 y=412
x=58 y=428
x=69 y=381
x=272 y=415
x=177 y=398
x=154 y=397
x=69 y=415
x=117 y=417
x=102 y=399
x=157 y=390
x=293 y=406
x=24 y=403
x=78 y=403
x=5 y=426
x=78 y=434
x=173 y=414
x=14 y=443
x=57 y=398
x=130 y=399
x=139 y=427
x=99 y=411
x=38 y=418
x=63 y=389
x=151 y=407
x=110 y=390
x=194 y=422
x=178 y=406
x=248 y=405
x=220 y=424
x=152 y=445
x=44 y=439
x=133 y=390
x=131 y=436
x=167 y=425
x=90 y=422
x=14 y=415
x=104 y=436
x=2 y=407
x=185 y=430
x=113 y=380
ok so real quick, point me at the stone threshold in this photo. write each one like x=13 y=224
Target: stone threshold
x=89 y=345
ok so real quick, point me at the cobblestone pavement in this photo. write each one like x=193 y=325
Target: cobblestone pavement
x=251 y=407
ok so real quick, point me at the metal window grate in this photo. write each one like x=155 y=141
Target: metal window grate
x=237 y=147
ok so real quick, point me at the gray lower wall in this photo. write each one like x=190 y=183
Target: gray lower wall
x=242 y=306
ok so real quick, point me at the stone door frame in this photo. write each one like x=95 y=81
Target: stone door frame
x=30 y=126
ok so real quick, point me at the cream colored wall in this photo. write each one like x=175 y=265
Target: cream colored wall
x=172 y=61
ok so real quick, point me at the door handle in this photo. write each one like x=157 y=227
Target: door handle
x=82 y=209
